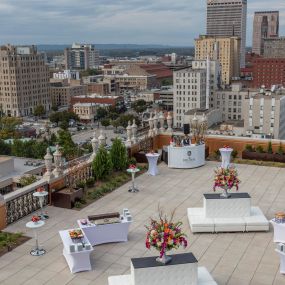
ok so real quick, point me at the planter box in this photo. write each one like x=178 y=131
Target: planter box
x=65 y=198
x=263 y=156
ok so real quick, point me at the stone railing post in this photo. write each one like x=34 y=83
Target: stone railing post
x=3 y=213
x=169 y=123
x=150 y=122
x=134 y=132
x=57 y=156
x=102 y=139
x=48 y=163
x=161 y=121
x=155 y=121
x=94 y=143
x=129 y=134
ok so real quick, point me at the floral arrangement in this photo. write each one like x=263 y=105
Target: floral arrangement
x=133 y=167
x=165 y=235
x=35 y=219
x=41 y=190
x=226 y=178
x=76 y=234
x=226 y=146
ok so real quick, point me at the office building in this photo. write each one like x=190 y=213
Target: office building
x=189 y=92
x=227 y=18
x=265 y=26
x=24 y=80
x=226 y=50
x=274 y=48
x=81 y=57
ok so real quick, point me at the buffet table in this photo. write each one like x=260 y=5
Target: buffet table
x=100 y=234
x=279 y=231
x=186 y=157
x=152 y=163
x=76 y=253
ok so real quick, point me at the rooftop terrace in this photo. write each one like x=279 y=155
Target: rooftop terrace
x=235 y=259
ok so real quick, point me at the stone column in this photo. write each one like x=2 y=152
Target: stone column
x=95 y=145
x=57 y=156
x=134 y=132
x=161 y=121
x=3 y=213
x=169 y=123
x=102 y=139
x=150 y=121
x=48 y=164
x=155 y=121
x=129 y=134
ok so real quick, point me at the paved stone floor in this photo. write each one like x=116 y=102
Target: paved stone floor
x=232 y=258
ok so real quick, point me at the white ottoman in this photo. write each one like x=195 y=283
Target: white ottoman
x=229 y=225
x=256 y=221
x=200 y=224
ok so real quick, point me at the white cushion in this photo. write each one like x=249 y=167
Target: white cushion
x=257 y=218
x=196 y=211
x=229 y=221
x=120 y=280
x=201 y=221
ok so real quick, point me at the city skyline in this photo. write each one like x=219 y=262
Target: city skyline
x=107 y=21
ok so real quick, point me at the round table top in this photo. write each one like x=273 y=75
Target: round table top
x=226 y=149
x=275 y=223
x=40 y=194
x=32 y=225
x=133 y=170
x=152 y=154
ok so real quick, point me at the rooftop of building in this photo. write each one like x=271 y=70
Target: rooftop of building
x=198 y=112
x=232 y=258
x=90 y=105
x=97 y=96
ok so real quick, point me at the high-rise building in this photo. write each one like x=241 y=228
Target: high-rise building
x=265 y=26
x=81 y=57
x=227 y=18
x=24 y=80
x=274 y=48
x=224 y=49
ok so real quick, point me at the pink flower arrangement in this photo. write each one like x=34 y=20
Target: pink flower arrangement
x=226 y=178
x=164 y=235
x=41 y=189
x=35 y=219
x=226 y=146
x=132 y=166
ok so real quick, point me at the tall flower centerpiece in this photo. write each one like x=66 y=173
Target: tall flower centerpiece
x=164 y=235
x=226 y=178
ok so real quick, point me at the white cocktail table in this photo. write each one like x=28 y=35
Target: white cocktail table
x=282 y=261
x=41 y=196
x=226 y=156
x=77 y=260
x=133 y=172
x=100 y=234
x=34 y=226
x=152 y=163
x=279 y=231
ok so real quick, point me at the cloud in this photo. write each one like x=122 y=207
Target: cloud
x=112 y=21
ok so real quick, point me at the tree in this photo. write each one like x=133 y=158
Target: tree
x=63 y=118
x=54 y=107
x=69 y=149
x=105 y=123
x=101 y=113
x=39 y=111
x=102 y=165
x=124 y=119
x=118 y=155
x=167 y=82
x=139 y=106
x=8 y=127
x=5 y=149
x=115 y=123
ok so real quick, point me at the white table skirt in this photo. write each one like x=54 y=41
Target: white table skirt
x=100 y=234
x=152 y=163
x=279 y=231
x=226 y=156
x=282 y=261
x=78 y=260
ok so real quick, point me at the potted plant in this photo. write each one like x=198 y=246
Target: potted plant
x=164 y=235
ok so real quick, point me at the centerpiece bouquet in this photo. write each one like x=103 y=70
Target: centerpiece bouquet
x=164 y=235
x=41 y=190
x=226 y=178
x=76 y=234
x=35 y=219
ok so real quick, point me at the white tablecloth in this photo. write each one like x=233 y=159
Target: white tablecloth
x=279 y=232
x=152 y=163
x=78 y=260
x=282 y=261
x=226 y=156
x=99 y=234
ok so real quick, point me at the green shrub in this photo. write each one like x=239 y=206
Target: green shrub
x=90 y=182
x=259 y=149
x=217 y=154
x=269 y=147
x=132 y=160
x=234 y=154
x=249 y=147
x=80 y=184
x=280 y=149
x=118 y=155
x=77 y=204
x=102 y=165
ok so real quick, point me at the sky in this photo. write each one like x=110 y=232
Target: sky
x=167 y=22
